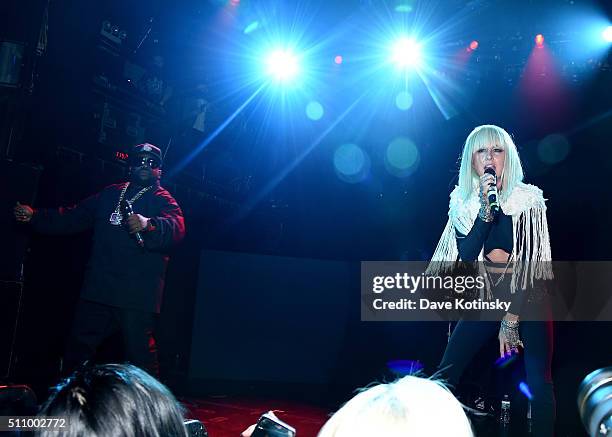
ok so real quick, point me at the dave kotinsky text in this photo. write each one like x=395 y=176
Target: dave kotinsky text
x=406 y=292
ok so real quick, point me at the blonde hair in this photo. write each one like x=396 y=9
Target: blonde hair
x=410 y=406
x=482 y=136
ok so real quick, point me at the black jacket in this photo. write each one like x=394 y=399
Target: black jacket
x=119 y=272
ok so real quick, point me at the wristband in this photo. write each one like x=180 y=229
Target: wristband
x=485 y=214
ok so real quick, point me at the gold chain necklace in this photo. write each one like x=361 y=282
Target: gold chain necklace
x=116 y=217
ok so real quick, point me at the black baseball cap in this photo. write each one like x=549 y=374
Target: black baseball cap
x=147 y=149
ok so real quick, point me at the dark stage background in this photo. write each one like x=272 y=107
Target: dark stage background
x=269 y=217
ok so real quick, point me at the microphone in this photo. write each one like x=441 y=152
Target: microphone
x=128 y=211
x=492 y=192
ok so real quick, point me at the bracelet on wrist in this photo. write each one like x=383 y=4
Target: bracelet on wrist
x=485 y=214
x=510 y=324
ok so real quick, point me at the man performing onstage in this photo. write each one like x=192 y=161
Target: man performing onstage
x=124 y=279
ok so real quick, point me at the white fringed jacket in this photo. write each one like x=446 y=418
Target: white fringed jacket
x=531 y=255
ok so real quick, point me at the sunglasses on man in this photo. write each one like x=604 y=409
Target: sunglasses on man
x=140 y=161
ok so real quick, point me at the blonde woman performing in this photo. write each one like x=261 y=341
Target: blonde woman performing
x=511 y=242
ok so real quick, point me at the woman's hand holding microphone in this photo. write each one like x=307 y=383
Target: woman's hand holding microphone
x=486 y=181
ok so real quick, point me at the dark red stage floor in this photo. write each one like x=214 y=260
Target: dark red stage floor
x=226 y=416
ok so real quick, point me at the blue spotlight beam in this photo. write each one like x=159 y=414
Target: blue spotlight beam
x=278 y=178
x=442 y=102
x=181 y=165
x=524 y=388
x=589 y=123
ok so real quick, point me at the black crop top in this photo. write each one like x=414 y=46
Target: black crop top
x=493 y=235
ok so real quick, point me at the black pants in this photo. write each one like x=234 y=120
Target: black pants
x=470 y=336
x=94 y=322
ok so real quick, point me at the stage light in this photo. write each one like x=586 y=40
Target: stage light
x=282 y=65
x=112 y=33
x=607 y=34
x=539 y=40
x=473 y=45
x=406 y=52
x=314 y=111
x=338 y=59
